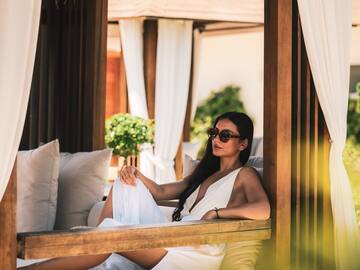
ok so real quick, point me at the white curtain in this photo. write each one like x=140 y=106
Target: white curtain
x=173 y=63
x=131 y=35
x=327 y=33
x=19 y=24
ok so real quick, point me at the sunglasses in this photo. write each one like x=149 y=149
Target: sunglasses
x=225 y=135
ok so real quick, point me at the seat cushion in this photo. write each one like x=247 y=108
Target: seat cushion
x=37 y=186
x=81 y=184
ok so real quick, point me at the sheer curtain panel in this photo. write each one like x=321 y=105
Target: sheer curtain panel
x=327 y=33
x=19 y=25
x=173 y=63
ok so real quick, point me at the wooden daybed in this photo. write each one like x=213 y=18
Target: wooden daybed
x=296 y=150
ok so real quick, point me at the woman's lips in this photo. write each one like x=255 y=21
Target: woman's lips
x=217 y=147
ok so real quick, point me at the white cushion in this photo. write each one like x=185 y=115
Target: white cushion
x=255 y=161
x=260 y=149
x=257 y=147
x=37 y=186
x=189 y=165
x=81 y=185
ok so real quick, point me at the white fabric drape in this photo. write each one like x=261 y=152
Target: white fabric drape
x=19 y=24
x=173 y=63
x=327 y=33
x=131 y=35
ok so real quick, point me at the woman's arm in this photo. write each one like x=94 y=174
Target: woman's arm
x=170 y=191
x=257 y=206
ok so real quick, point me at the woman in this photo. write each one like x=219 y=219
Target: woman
x=220 y=187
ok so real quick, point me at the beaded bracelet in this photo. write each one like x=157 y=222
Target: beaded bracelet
x=217 y=214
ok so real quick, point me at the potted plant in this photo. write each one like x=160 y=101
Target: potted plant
x=124 y=133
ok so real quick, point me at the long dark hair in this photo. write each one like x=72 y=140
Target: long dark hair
x=209 y=163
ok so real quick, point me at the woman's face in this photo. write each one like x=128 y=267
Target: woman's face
x=233 y=146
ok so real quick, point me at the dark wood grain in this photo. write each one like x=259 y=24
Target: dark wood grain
x=8 y=225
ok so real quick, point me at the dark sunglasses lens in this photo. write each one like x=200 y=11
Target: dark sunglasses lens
x=212 y=132
x=224 y=136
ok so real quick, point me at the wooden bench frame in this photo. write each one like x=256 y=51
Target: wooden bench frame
x=37 y=245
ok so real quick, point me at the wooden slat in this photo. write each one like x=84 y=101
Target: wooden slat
x=296 y=150
x=127 y=238
x=8 y=225
x=305 y=160
x=277 y=123
x=315 y=175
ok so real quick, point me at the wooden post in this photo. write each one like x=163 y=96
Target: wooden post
x=150 y=44
x=8 y=225
x=277 y=124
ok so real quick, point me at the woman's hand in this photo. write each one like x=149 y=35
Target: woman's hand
x=128 y=175
x=211 y=214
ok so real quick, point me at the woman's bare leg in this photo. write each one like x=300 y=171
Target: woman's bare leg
x=145 y=258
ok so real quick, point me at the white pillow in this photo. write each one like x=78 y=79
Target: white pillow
x=260 y=149
x=189 y=165
x=81 y=184
x=255 y=161
x=191 y=149
x=37 y=185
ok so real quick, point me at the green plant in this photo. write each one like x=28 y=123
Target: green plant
x=124 y=133
x=224 y=100
x=351 y=156
x=353 y=118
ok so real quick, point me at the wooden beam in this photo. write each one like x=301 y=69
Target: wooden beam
x=127 y=238
x=150 y=45
x=277 y=124
x=8 y=225
x=187 y=121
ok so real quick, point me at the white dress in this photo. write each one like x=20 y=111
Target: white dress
x=135 y=205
